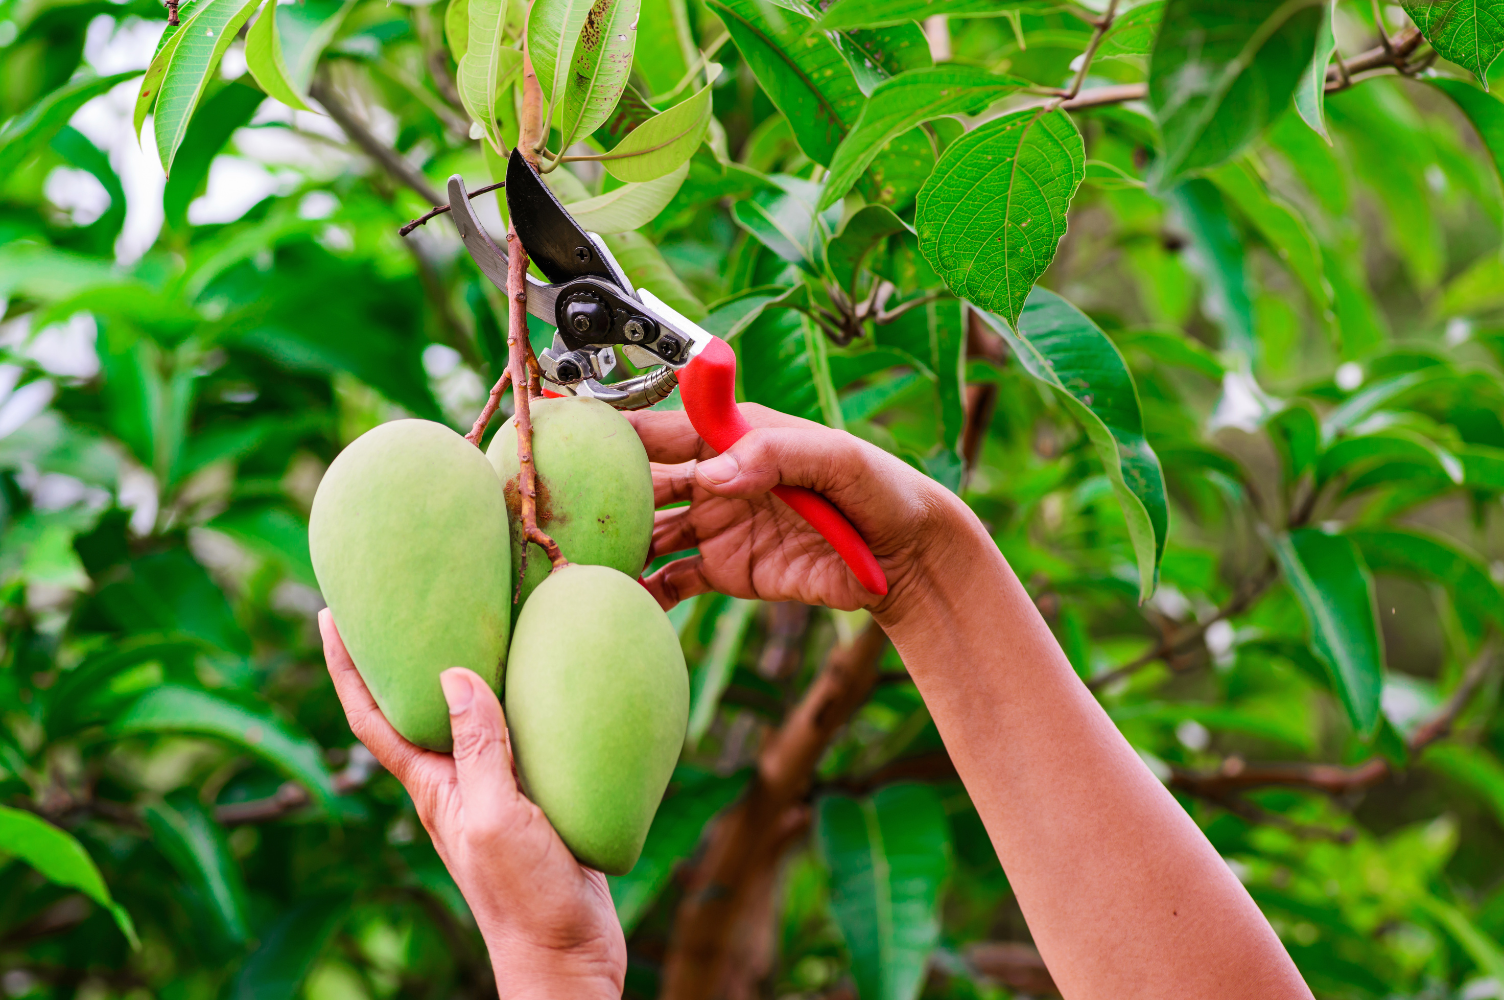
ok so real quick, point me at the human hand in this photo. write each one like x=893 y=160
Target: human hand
x=753 y=545
x=547 y=920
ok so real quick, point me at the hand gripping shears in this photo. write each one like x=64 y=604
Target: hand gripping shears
x=595 y=310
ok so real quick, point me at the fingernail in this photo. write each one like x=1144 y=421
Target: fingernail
x=457 y=691
x=721 y=469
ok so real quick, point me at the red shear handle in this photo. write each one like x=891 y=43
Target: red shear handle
x=708 y=387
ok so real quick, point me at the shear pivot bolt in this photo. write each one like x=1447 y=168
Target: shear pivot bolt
x=635 y=330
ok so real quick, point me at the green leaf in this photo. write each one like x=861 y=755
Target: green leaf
x=1281 y=227
x=1474 y=767
x=1310 y=96
x=1483 y=468
x=598 y=74
x=1058 y=345
x=1221 y=71
x=1132 y=34
x=204 y=39
x=1483 y=950
x=645 y=267
x=993 y=213
x=306 y=28
x=666 y=47
x=904 y=101
x=289 y=948
x=1469 y=33
x=889 y=856
x=156 y=70
x=1432 y=558
x=1486 y=114
x=223 y=113
x=860 y=235
x=80 y=152
x=263 y=57
x=730 y=316
x=876 y=13
x=878 y=54
x=59 y=858
x=173 y=708
x=1297 y=435
x=775 y=365
x=802 y=72
x=553 y=30
x=629 y=206
x=694 y=798
x=457 y=28
x=273 y=532
x=662 y=143
x=1219 y=264
x=785 y=221
x=30 y=131
x=488 y=66
x=709 y=680
x=195 y=847
x=1335 y=591
x=1394 y=445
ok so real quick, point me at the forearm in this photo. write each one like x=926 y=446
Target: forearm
x=1124 y=895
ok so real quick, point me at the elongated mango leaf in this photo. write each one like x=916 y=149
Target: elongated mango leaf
x=731 y=315
x=992 y=214
x=156 y=70
x=662 y=143
x=553 y=31
x=904 y=101
x=1469 y=33
x=1057 y=344
x=598 y=74
x=176 y=709
x=1282 y=228
x=457 y=28
x=1484 y=111
x=694 y=797
x=1335 y=590
x=666 y=49
x=1219 y=263
x=645 y=267
x=1430 y=558
x=204 y=40
x=1132 y=33
x=1221 y=71
x=195 y=846
x=306 y=28
x=709 y=680
x=1310 y=96
x=629 y=206
x=488 y=66
x=864 y=232
x=60 y=858
x=289 y=948
x=876 y=13
x=230 y=108
x=802 y=72
x=1395 y=445
x=263 y=57
x=889 y=857
x=31 y=130
x=785 y=221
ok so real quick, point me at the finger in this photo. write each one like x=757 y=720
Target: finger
x=406 y=761
x=678 y=581
x=833 y=463
x=672 y=483
x=673 y=531
x=482 y=762
x=667 y=435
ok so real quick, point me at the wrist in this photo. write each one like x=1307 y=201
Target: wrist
x=952 y=556
x=537 y=972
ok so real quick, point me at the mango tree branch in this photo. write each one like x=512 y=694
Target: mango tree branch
x=438 y=210
x=384 y=156
x=752 y=835
x=493 y=402
x=1099 y=29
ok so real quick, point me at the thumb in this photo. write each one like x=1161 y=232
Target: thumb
x=482 y=759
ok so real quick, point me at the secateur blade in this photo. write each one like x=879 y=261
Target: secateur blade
x=491 y=258
x=555 y=242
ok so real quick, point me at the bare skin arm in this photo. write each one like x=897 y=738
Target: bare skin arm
x=1123 y=894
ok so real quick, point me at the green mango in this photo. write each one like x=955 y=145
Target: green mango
x=410 y=548
x=595 y=489
x=597 y=703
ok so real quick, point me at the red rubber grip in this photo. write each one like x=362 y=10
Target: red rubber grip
x=708 y=387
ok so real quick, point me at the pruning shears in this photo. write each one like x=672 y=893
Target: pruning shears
x=596 y=311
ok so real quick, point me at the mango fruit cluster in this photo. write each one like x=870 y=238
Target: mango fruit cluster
x=417 y=542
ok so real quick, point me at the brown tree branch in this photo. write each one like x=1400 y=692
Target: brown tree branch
x=438 y=210
x=493 y=402
x=384 y=156
x=748 y=839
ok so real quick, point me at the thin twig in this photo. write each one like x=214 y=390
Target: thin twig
x=438 y=210
x=493 y=402
x=172 y=13
x=1100 y=29
x=1178 y=641
x=1378 y=22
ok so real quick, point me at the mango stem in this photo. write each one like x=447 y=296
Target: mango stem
x=519 y=355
